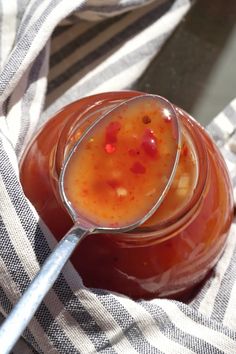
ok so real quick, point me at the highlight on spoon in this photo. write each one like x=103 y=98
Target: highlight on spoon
x=121 y=168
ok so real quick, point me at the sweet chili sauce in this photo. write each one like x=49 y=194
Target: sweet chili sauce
x=175 y=249
x=120 y=168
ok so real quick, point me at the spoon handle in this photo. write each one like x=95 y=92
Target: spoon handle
x=24 y=310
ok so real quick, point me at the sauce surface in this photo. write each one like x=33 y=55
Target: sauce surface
x=121 y=167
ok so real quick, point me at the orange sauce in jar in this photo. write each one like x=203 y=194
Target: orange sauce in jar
x=175 y=249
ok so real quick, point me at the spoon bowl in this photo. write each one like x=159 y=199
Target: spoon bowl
x=122 y=166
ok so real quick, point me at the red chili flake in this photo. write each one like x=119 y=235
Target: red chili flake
x=84 y=191
x=149 y=143
x=114 y=225
x=146 y=119
x=113 y=183
x=87 y=146
x=134 y=152
x=184 y=151
x=167 y=119
x=111 y=132
x=110 y=148
x=137 y=167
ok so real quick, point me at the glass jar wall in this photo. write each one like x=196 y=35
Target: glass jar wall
x=176 y=248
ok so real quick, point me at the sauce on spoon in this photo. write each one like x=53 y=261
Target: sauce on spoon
x=121 y=166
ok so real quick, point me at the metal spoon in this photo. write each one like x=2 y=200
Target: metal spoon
x=26 y=307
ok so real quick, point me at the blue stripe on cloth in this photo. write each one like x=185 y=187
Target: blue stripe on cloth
x=80 y=40
x=176 y=334
x=21 y=6
x=223 y=296
x=24 y=23
x=28 y=98
x=22 y=48
x=22 y=345
x=196 y=301
x=109 y=45
x=134 y=57
x=206 y=322
x=77 y=310
x=9 y=257
x=130 y=328
x=21 y=278
x=61 y=29
x=20 y=51
x=5 y=302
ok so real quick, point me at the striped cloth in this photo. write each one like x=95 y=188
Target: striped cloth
x=88 y=57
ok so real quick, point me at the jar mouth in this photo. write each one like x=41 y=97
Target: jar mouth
x=171 y=225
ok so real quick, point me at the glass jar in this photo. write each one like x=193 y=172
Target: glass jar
x=167 y=256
